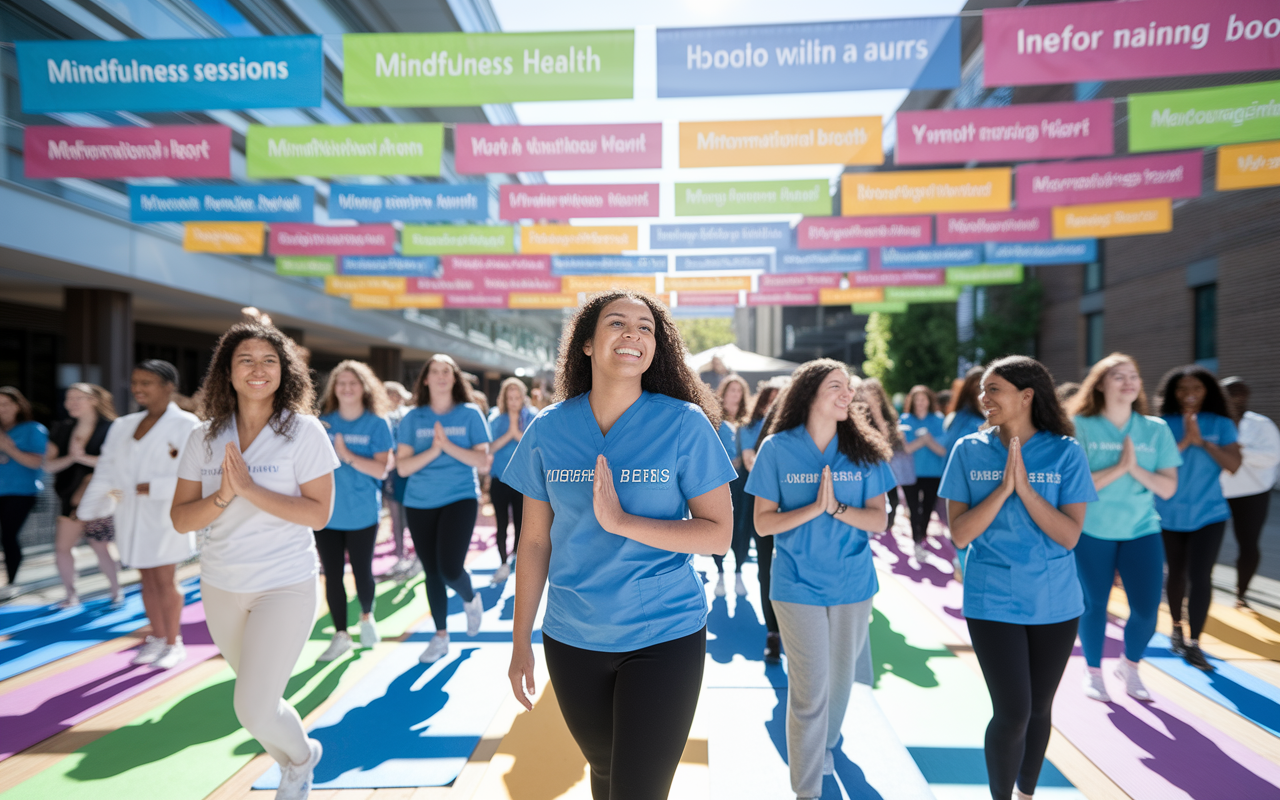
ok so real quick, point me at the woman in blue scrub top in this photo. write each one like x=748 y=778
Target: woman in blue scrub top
x=1134 y=459
x=22 y=447
x=508 y=421
x=964 y=418
x=1193 y=520
x=624 y=479
x=748 y=438
x=820 y=484
x=443 y=441
x=922 y=427
x=351 y=412
x=1016 y=494
x=734 y=395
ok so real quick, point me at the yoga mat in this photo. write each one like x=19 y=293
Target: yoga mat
x=1228 y=686
x=736 y=634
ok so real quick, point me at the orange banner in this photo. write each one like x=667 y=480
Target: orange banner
x=847 y=297
x=716 y=283
x=371 y=301
x=925 y=191
x=1246 y=166
x=353 y=284
x=1101 y=220
x=542 y=300
x=603 y=283
x=830 y=140
x=578 y=239
x=242 y=238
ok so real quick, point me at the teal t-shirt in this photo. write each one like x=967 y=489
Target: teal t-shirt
x=1125 y=509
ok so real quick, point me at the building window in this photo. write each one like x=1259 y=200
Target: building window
x=1092 y=338
x=1206 y=321
x=1092 y=277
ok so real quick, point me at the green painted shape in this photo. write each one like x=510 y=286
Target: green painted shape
x=328 y=150
x=880 y=308
x=1247 y=112
x=437 y=240
x=921 y=294
x=984 y=275
x=306 y=266
x=812 y=197
x=891 y=653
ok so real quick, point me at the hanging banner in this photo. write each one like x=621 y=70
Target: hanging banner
x=1110 y=180
x=701 y=299
x=898 y=277
x=823 y=233
x=523 y=283
x=739 y=261
x=402 y=266
x=396 y=301
x=1028 y=132
x=471 y=69
x=1248 y=166
x=1032 y=225
x=536 y=300
x=291 y=203
x=1102 y=220
x=886 y=307
x=516 y=266
x=752 y=143
x=163 y=151
x=1077 y=251
x=1072 y=42
x=925 y=192
x=306 y=266
x=718 y=283
x=476 y=299
x=922 y=294
x=440 y=285
x=436 y=240
x=607 y=265
x=724 y=234
x=561 y=202
x=950 y=255
x=821 y=260
x=479 y=149
x=171 y=74
x=370 y=301
x=327 y=150
x=754 y=197
x=1204 y=117
x=604 y=283
x=984 y=275
x=419 y=202
x=784 y=297
x=295 y=239
x=844 y=297
x=799 y=280
x=575 y=239
x=917 y=53
x=242 y=238
x=344 y=284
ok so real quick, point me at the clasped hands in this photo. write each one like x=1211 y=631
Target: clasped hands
x=235 y=476
x=1015 y=479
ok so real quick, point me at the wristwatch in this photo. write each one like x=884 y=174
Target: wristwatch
x=840 y=509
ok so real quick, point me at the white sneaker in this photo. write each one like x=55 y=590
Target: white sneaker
x=340 y=645
x=475 y=611
x=437 y=649
x=739 y=588
x=922 y=553
x=150 y=651
x=1095 y=688
x=368 y=633
x=173 y=655
x=720 y=585
x=295 y=779
x=828 y=763
x=1127 y=671
x=10 y=591
x=501 y=575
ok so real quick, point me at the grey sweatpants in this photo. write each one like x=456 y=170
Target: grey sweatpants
x=824 y=645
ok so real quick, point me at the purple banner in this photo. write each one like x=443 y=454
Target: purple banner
x=1012 y=133
x=163 y=151
x=508 y=266
x=799 y=280
x=899 y=277
x=541 y=201
x=838 y=233
x=301 y=239
x=439 y=285
x=522 y=283
x=530 y=148
x=475 y=299
x=784 y=297
x=1032 y=225
x=1109 y=180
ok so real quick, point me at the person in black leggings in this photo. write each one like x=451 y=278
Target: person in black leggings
x=748 y=438
x=507 y=423
x=1248 y=490
x=924 y=431
x=22 y=448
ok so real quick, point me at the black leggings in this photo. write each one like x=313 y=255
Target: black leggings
x=503 y=496
x=1248 y=515
x=922 y=496
x=741 y=536
x=1191 y=556
x=1022 y=665
x=335 y=547
x=629 y=712
x=14 y=509
x=442 y=537
x=891 y=507
x=764 y=562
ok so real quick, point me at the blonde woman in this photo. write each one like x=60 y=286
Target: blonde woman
x=507 y=423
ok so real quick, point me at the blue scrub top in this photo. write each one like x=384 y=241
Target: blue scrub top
x=928 y=463
x=499 y=422
x=1014 y=572
x=15 y=479
x=357 y=498
x=445 y=480
x=823 y=562
x=1125 y=509
x=606 y=592
x=962 y=424
x=1198 y=501
x=749 y=435
x=729 y=438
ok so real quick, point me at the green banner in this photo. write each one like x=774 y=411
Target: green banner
x=921 y=294
x=305 y=266
x=880 y=308
x=1202 y=117
x=437 y=240
x=327 y=150
x=812 y=197
x=468 y=69
x=984 y=275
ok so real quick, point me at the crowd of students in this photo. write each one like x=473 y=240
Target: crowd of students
x=610 y=492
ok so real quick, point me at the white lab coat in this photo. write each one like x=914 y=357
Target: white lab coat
x=145 y=536
x=1260 y=447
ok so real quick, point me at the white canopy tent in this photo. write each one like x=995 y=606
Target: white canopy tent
x=751 y=366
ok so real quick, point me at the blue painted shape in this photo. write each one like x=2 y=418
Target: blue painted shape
x=419 y=202
x=968 y=766
x=851 y=260
x=1070 y=251
x=724 y=234
x=607 y=265
x=1228 y=685
x=284 y=203
x=941 y=255
x=395 y=266
x=740 y=261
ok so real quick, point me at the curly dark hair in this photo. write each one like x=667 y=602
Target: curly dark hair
x=374 y=397
x=667 y=374
x=856 y=436
x=1215 y=402
x=295 y=395
x=767 y=392
x=744 y=405
x=1027 y=373
x=872 y=391
x=461 y=389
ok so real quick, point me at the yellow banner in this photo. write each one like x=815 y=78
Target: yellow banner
x=847 y=297
x=830 y=140
x=1101 y=220
x=578 y=239
x=925 y=191
x=427 y=300
x=1246 y=166
x=542 y=300
x=716 y=283
x=353 y=284
x=243 y=238
x=371 y=301
x=603 y=283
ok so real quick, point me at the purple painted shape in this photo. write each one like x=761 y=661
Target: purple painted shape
x=1110 y=180
x=35 y=712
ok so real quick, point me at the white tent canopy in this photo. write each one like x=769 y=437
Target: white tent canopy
x=751 y=366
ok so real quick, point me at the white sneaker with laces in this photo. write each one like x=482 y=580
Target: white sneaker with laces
x=437 y=649
x=828 y=763
x=720 y=586
x=368 y=633
x=340 y=645
x=151 y=650
x=1127 y=671
x=501 y=575
x=475 y=611
x=739 y=588
x=1095 y=688
x=295 y=779
x=173 y=655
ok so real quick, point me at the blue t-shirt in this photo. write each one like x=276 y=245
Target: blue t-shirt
x=1198 y=501
x=446 y=479
x=928 y=463
x=357 y=497
x=729 y=438
x=824 y=562
x=15 y=479
x=749 y=435
x=606 y=592
x=1125 y=509
x=1014 y=572
x=499 y=422
x=962 y=424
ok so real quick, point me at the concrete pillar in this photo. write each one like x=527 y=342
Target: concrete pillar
x=386 y=363
x=99 y=329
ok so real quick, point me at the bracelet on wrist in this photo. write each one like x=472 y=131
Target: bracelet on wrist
x=220 y=503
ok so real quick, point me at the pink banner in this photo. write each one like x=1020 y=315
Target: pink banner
x=1012 y=133
x=1032 y=225
x=899 y=277
x=507 y=266
x=530 y=148
x=301 y=239
x=784 y=297
x=439 y=285
x=164 y=151
x=475 y=300
x=707 y=298
x=800 y=280
x=837 y=233
x=1109 y=180
x=1072 y=42
x=541 y=201
x=522 y=283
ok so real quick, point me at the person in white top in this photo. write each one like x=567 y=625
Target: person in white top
x=1248 y=489
x=134 y=482
x=257 y=478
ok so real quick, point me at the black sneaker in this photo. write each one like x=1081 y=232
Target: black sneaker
x=1196 y=658
x=773 y=648
x=1177 y=645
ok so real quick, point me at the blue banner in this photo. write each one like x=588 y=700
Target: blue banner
x=1071 y=251
x=607 y=265
x=419 y=202
x=394 y=266
x=852 y=260
x=945 y=255
x=288 y=203
x=171 y=74
x=732 y=234
x=743 y=261
x=919 y=53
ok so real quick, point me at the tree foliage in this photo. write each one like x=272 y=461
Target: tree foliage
x=918 y=346
x=1009 y=323
x=704 y=333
